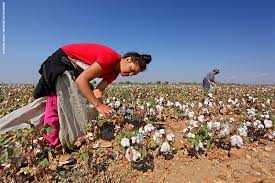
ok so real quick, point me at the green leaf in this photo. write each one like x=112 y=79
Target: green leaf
x=44 y=163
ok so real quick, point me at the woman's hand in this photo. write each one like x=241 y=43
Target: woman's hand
x=105 y=110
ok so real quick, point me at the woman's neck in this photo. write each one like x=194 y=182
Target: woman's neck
x=117 y=67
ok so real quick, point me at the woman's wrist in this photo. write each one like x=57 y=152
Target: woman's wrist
x=96 y=104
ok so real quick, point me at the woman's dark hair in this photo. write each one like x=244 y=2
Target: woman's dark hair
x=142 y=62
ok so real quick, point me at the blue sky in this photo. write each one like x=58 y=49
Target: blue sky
x=186 y=38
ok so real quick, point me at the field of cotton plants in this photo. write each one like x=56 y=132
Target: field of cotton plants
x=157 y=133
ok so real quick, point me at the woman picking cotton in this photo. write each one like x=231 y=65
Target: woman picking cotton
x=85 y=61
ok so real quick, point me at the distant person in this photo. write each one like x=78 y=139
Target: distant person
x=209 y=80
x=86 y=61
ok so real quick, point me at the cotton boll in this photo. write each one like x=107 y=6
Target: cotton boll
x=117 y=104
x=225 y=131
x=149 y=128
x=190 y=135
x=266 y=116
x=268 y=123
x=152 y=112
x=159 y=108
x=146 y=119
x=123 y=110
x=243 y=131
x=141 y=130
x=184 y=107
x=260 y=126
x=157 y=137
x=139 y=138
x=248 y=124
x=251 y=112
x=162 y=131
x=214 y=125
x=190 y=115
x=141 y=107
x=199 y=146
x=200 y=105
x=210 y=95
x=217 y=125
x=125 y=142
x=165 y=148
x=210 y=104
x=132 y=154
x=133 y=139
x=201 y=118
x=169 y=104
x=170 y=137
x=111 y=105
x=205 y=111
x=129 y=111
x=256 y=123
x=194 y=123
x=177 y=104
x=206 y=102
x=185 y=130
x=209 y=125
x=236 y=140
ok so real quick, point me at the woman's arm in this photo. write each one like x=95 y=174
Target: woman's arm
x=98 y=91
x=82 y=82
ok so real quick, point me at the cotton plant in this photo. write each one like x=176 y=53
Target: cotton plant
x=166 y=147
x=199 y=139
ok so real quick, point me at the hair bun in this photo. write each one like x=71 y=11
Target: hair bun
x=146 y=58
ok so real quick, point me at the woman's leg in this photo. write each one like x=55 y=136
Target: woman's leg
x=51 y=121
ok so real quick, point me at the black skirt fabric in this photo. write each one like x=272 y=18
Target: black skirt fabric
x=51 y=68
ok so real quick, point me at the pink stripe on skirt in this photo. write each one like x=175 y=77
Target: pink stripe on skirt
x=51 y=120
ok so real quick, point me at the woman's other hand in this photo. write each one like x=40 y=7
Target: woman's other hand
x=105 y=110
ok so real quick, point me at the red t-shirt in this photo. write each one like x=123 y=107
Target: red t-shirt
x=89 y=53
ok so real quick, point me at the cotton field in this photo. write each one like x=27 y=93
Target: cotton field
x=153 y=130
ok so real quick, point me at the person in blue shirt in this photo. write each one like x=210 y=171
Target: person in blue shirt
x=209 y=80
